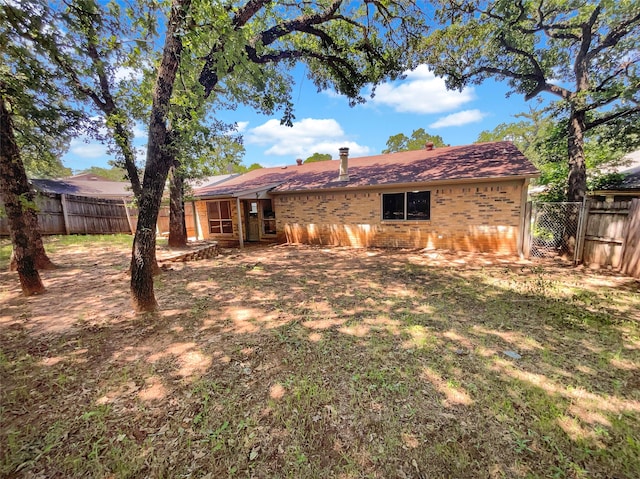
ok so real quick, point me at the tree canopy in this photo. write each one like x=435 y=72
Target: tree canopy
x=542 y=138
x=583 y=53
x=318 y=157
x=418 y=140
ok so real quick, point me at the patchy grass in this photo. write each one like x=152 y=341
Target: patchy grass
x=308 y=362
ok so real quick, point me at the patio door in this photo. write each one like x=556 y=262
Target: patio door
x=252 y=220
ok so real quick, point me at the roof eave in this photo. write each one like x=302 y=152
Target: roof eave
x=251 y=193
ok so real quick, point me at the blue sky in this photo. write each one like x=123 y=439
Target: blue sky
x=325 y=122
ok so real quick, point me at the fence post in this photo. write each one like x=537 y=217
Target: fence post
x=65 y=212
x=126 y=210
x=582 y=230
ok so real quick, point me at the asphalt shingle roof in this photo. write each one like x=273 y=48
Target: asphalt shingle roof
x=479 y=161
x=83 y=187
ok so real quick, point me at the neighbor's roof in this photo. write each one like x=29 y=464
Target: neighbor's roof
x=211 y=180
x=454 y=163
x=82 y=187
x=630 y=169
x=631 y=180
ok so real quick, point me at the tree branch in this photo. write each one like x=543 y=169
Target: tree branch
x=610 y=117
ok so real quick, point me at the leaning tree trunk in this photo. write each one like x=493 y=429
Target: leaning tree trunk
x=15 y=190
x=157 y=165
x=577 y=181
x=177 y=224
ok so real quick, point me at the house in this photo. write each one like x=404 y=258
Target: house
x=463 y=198
x=629 y=185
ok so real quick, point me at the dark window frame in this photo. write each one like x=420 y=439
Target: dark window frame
x=219 y=225
x=402 y=206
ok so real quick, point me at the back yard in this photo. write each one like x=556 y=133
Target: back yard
x=308 y=362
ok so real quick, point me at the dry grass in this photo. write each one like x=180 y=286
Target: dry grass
x=309 y=362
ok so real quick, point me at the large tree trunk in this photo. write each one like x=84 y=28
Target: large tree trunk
x=577 y=181
x=15 y=190
x=157 y=165
x=177 y=224
x=42 y=261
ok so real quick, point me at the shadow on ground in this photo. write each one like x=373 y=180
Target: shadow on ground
x=297 y=361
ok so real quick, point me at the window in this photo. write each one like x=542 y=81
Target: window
x=409 y=206
x=219 y=213
x=268 y=218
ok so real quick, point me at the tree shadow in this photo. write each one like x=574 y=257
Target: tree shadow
x=311 y=361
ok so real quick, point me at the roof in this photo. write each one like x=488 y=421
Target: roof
x=630 y=171
x=455 y=163
x=88 y=177
x=82 y=187
x=631 y=180
x=211 y=180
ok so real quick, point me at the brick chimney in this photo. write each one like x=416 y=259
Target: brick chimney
x=344 y=164
x=299 y=161
x=429 y=146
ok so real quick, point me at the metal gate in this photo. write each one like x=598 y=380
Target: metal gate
x=554 y=229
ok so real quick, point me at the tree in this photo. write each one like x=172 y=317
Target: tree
x=205 y=149
x=585 y=54
x=419 y=139
x=201 y=145
x=90 y=45
x=543 y=139
x=318 y=157
x=114 y=173
x=34 y=99
x=244 y=169
x=344 y=45
x=159 y=161
x=14 y=187
x=41 y=152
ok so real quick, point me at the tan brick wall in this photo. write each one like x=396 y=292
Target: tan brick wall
x=473 y=217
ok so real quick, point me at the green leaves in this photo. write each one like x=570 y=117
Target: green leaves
x=419 y=139
x=582 y=53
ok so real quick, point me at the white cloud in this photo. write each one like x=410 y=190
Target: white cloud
x=458 y=119
x=306 y=137
x=93 y=149
x=421 y=92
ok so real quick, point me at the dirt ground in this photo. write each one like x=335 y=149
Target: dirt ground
x=302 y=361
x=91 y=286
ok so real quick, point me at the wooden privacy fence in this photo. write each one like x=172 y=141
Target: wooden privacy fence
x=189 y=219
x=630 y=263
x=603 y=233
x=60 y=214
x=69 y=214
x=600 y=234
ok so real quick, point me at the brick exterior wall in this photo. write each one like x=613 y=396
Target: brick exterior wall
x=469 y=217
x=483 y=216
